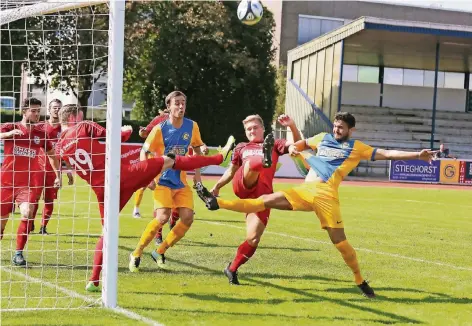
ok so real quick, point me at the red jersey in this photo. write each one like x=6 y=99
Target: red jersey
x=22 y=166
x=157 y=120
x=52 y=133
x=79 y=146
x=243 y=151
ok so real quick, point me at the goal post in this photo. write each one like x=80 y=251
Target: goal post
x=113 y=152
x=60 y=264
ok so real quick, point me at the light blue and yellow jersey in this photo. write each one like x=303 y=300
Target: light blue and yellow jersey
x=164 y=139
x=335 y=160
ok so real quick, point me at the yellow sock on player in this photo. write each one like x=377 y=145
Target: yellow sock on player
x=138 y=197
x=147 y=236
x=177 y=233
x=350 y=257
x=242 y=205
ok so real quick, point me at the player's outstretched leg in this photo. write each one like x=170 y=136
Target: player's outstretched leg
x=267 y=148
x=189 y=163
x=93 y=284
x=238 y=205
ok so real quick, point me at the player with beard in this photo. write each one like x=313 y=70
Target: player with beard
x=337 y=155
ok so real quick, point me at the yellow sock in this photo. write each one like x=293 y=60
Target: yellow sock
x=138 y=197
x=177 y=233
x=147 y=236
x=242 y=205
x=350 y=257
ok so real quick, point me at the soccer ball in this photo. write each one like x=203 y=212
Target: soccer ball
x=250 y=11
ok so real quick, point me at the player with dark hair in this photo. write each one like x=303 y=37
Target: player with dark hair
x=21 y=173
x=337 y=155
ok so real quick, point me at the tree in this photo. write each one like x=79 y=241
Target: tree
x=69 y=50
x=13 y=51
x=201 y=48
x=281 y=82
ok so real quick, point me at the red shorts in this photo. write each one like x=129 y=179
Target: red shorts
x=242 y=192
x=9 y=195
x=133 y=178
x=50 y=192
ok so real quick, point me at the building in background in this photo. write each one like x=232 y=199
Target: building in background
x=298 y=22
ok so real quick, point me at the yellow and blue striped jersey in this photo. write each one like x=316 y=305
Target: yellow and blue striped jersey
x=164 y=139
x=335 y=160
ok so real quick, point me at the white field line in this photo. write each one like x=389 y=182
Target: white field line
x=419 y=260
x=127 y=313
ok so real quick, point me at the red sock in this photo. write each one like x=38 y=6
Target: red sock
x=22 y=234
x=47 y=212
x=159 y=233
x=188 y=163
x=255 y=163
x=245 y=251
x=97 y=262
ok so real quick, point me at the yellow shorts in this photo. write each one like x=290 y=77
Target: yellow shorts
x=320 y=198
x=165 y=197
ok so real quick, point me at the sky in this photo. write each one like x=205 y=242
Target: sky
x=463 y=5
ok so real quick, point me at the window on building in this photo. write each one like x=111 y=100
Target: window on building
x=393 y=76
x=454 y=80
x=413 y=77
x=429 y=78
x=310 y=27
x=368 y=74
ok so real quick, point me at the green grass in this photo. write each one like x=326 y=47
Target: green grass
x=413 y=245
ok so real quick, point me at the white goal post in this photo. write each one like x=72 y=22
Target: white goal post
x=42 y=288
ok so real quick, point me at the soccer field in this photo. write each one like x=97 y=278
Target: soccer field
x=413 y=245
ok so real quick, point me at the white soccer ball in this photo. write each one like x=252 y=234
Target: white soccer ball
x=250 y=11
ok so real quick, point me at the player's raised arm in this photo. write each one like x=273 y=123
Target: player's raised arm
x=287 y=121
x=426 y=155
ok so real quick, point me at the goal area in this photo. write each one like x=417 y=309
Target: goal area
x=71 y=51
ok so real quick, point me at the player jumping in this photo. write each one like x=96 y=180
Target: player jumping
x=252 y=170
x=336 y=156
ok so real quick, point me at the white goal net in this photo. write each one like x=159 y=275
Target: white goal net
x=71 y=51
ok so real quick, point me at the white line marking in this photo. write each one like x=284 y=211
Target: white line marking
x=438 y=263
x=95 y=301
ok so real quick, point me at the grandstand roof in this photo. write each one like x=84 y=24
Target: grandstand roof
x=374 y=41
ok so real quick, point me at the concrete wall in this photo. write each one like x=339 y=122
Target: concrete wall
x=353 y=10
x=403 y=97
x=411 y=97
x=360 y=94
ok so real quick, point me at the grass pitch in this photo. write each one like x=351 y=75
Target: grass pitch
x=413 y=245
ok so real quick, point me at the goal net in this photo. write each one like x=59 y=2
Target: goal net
x=71 y=51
